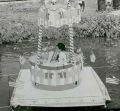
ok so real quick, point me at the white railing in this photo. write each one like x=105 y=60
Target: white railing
x=56 y=77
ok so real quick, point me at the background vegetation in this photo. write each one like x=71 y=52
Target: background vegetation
x=18 y=22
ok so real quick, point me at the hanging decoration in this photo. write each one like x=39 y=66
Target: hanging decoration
x=22 y=60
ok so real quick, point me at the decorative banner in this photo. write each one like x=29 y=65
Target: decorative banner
x=36 y=74
x=53 y=78
x=70 y=75
x=57 y=77
x=41 y=76
x=67 y=76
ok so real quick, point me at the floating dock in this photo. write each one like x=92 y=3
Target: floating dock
x=90 y=92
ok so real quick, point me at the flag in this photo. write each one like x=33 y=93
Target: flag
x=112 y=80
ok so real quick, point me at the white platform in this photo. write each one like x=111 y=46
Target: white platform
x=90 y=92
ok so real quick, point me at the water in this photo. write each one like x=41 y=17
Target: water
x=105 y=56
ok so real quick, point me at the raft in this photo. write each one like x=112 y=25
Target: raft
x=90 y=92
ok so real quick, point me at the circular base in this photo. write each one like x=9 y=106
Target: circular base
x=55 y=76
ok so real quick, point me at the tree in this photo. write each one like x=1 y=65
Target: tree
x=116 y=4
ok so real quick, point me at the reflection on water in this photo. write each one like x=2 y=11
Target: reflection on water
x=105 y=56
x=112 y=56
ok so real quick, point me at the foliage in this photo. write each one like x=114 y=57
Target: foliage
x=23 y=109
x=17 y=31
x=101 y=26
x=21 y=24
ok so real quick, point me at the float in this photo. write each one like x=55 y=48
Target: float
x=58 y=77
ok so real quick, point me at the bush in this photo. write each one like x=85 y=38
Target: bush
x=17 y=31
x=99 y=26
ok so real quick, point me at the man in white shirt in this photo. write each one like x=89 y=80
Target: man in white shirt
x=83 y=5
x=80 y=3
x=79 y=6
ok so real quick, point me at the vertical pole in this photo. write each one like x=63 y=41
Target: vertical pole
x=104 y=89
x=71 y=43
x=39 y=45
x=9 y=90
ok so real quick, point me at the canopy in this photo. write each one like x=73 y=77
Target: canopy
x=57 y=13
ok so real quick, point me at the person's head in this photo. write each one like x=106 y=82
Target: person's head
x=61 y=46
x=68 y=4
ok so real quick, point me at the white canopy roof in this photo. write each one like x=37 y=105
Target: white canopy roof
x=58 y=12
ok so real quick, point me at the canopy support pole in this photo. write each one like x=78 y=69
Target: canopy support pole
x=39 y=45
x=71 y=43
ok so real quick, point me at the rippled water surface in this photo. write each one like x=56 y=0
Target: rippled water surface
x=107 y=63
